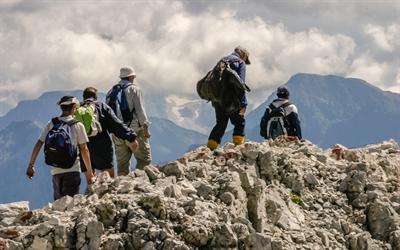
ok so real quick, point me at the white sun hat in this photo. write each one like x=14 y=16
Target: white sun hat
x=68 y=100
x=126 y=71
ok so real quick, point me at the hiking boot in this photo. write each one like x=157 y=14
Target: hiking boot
x=212 y=144
x=238 y=139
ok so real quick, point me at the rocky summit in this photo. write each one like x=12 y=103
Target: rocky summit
x=278 y=194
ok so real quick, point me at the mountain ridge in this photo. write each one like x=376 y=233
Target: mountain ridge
x=325 y=102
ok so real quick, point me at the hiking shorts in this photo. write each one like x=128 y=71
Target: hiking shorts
x=101 y=154
x=66 y=184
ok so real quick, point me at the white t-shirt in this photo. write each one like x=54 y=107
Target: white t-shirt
x=79 y=136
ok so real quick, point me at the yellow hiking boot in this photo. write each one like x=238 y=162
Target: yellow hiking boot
x=212 y=144
x=238 y=139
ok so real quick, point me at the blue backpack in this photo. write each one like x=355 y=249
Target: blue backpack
x=115 y=104
x=59 y=150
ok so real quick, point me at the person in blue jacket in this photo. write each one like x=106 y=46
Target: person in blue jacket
x=100 y=145
x=233 y=103
x=290 y=115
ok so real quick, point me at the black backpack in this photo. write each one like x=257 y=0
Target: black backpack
x=277 y=124
x=59 y=150
x=210 y=87
x=113 y=101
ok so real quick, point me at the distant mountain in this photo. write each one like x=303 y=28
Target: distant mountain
x=38 y=110
x=16 y=143
x=169 y=141
x=335 y=109
x=186 y=111
x=4 y=107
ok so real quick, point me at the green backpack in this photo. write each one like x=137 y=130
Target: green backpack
x=87 y=115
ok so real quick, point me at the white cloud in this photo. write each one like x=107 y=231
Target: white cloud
x=366 y=68
x=69 y=45
x=386 y=38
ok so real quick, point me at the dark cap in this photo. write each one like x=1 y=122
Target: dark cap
x=244 y=52
x=282 y=91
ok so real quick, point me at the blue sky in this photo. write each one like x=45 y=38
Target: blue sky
x=56 y=45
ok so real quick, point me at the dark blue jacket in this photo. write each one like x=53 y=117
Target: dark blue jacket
x=100 y=146
x=292 y=118
x=240 y=67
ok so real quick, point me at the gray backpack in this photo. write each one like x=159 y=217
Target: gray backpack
x=210 y=87
x=277 y=123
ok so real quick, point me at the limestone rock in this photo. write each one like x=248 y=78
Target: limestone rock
x=174 y=168
x=280 y=194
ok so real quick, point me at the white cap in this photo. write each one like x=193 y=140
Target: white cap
x=68 y=100
x=126 y=71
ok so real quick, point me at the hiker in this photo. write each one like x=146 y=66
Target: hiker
x=280 y=117
x=99 y=121
x=63 y=137
x=126 y=100
x=233 y=103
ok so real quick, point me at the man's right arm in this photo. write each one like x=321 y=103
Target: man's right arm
x=82 y=141
x=85 y=154
x=116 y=126
x=30 y=171
x=138 y=104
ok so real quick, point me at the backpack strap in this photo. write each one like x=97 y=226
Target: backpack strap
x=55 y=120
x=286 y=104
x=127 y=85
x=133 y=109
x=88 y=101
x=58 y=121
x=72 y=122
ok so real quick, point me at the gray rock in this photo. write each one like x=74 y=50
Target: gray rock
x=174 y=168
x=311 y=179
x=197 y=235
x=394 y=239
x=113 y=241
x=258 y=241
x=12 y=245
x=42 y=229
x=187 y=188
x=63 y=203
x=382 y=220
x=94 y=229
x=173 y=191
x=13 y=209
x=170 y=244
x=224 y=236
x=63 y=236
x=237 y=197
x=227 y=198
x=152 y=172
x=204 y=190
x=241 y=231
x=40 y=244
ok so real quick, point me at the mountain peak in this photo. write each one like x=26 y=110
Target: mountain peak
x=332 y=108
x=309 y=80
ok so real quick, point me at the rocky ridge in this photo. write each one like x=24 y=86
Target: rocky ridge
x=273 y=195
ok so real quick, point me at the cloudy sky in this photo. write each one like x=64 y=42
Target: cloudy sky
x=58 y=45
